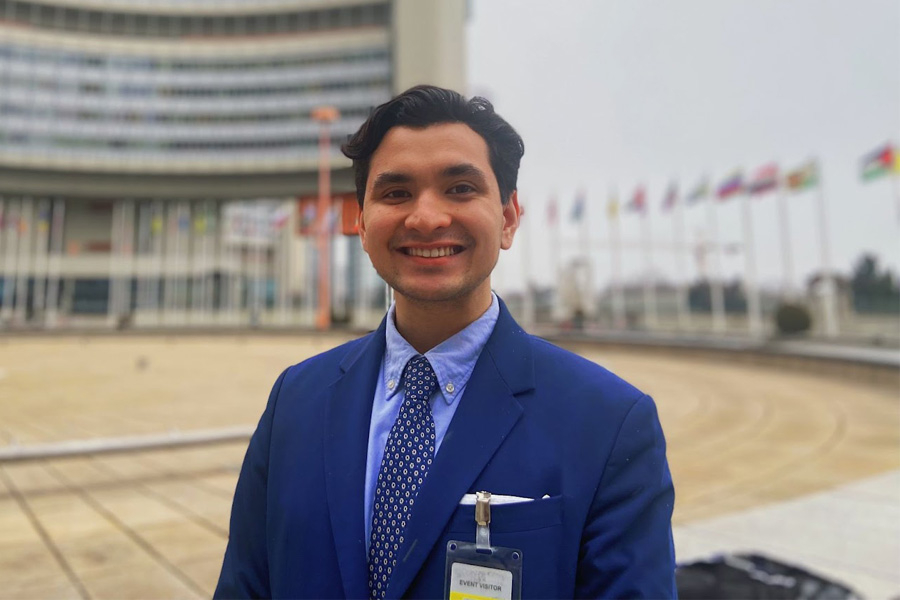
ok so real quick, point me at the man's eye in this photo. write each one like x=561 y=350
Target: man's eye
x=397 y=194
x=461 y=188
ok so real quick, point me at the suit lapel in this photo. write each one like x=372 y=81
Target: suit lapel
x=485 y=416
x=347 y=417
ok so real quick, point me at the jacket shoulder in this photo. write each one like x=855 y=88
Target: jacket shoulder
x=325 y=367
x=558 y=367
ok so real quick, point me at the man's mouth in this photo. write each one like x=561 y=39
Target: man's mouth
x=432 y=252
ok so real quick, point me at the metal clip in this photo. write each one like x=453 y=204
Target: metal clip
x=483 y=521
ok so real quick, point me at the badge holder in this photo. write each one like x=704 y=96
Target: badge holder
x=480 y=571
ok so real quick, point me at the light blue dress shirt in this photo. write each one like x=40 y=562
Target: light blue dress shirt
x=453 y=361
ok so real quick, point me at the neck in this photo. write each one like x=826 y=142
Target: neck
x=426 y=324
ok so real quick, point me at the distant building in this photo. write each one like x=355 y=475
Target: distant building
x=129 y=130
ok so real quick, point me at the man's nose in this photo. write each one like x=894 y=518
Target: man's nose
x=430 y=212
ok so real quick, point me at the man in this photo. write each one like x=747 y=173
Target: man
x=353 y=481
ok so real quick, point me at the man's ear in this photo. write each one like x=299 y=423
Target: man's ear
x=511 y=213
x=361 y=226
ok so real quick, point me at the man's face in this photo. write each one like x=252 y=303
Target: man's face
x=432 y=221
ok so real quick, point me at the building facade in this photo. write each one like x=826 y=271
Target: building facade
x=151 y=153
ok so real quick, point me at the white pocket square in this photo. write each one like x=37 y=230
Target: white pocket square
x=495 y=499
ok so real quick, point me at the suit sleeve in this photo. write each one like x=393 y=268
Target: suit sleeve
x=245 y=569
x=626 y=547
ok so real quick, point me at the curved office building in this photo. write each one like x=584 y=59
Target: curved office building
x=151 y=153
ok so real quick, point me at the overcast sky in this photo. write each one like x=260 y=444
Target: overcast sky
x=645 y=92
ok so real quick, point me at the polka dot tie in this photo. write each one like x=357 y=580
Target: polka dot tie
x=407 y=456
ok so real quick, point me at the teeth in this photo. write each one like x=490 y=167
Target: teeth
x=431 y=252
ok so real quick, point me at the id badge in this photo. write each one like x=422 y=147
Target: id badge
x=474 y=574
x=481 y=571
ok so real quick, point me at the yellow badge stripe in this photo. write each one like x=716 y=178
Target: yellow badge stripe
x=468 y=596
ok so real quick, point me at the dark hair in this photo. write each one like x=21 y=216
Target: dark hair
x=425 y=105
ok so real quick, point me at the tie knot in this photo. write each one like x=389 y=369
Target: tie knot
x=419 y=378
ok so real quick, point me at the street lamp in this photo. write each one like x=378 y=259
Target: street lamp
x=325 y=115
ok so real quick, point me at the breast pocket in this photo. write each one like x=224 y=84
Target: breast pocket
x=506 y=518
x=533 y=527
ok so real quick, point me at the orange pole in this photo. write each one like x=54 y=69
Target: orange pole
x=324 y=115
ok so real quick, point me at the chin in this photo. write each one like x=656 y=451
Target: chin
x=433 y=294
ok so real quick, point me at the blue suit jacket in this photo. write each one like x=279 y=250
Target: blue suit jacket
x=535 y=421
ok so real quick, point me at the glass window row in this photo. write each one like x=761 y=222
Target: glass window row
x=93 y=116
x=20 y=141
x=64 y=58
x=168 y=133
x=155 y=105
x=43 y=76
x=167 y=90
x=161 y=25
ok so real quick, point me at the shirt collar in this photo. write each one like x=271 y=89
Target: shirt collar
x=453 y=360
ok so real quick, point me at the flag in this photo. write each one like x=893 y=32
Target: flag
x=638 y=202
x=804 y=176
x=877 y=163
x=700 y=191
x=612 y=208
x=280 y=217
x=732 y=185
x=156 y=224
x=44 y=220
x=765 y=179
x=578 y=207
x=332 y=217
x=671 y=197
x=349 y=214
x=551 y=212
x=200 y=224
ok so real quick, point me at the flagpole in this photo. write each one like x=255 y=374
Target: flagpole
x=324 y=115
x=55 y=263
x=829 y=297
x=182 y=258
x=896 y=181
x=717 y=294
x=556 y=255
x=753 y=303
x=786 y=250
x=243 y=288
x=684 y=315
x=168 y=226
x=528 y=296
x=26 y=216
x=128 y=226
x=4 y=226
x=285 y=221
x=219 y=288
x=586 y=249
x=209 y=260
x=157 y=231
x=10 y=277
x=41 y=259
x=649 y=285
x=618 y=299
x=196 y=228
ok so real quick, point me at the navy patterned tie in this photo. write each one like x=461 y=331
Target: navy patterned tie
x=407 y=456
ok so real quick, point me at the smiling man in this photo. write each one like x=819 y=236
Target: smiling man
x=357 y=479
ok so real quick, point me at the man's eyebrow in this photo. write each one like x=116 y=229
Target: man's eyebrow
x=389 y=178
x=463 y=170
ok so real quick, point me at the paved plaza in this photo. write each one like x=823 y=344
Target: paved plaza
x=801 y=465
